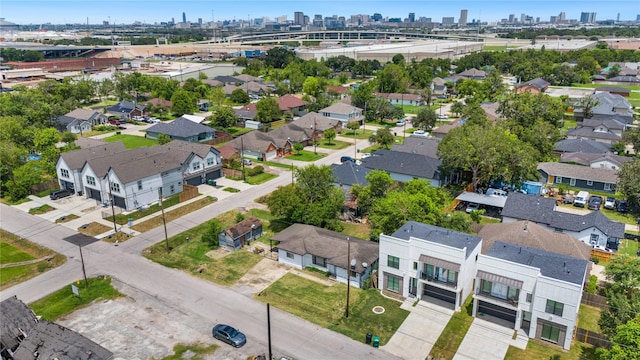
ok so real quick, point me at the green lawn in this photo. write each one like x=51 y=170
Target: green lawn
x=325 y=306
x=276 y=164
x=11 y=254
x=306 y=155
x=335 y=144
x=361 y=231
x=451 y=337
x=628 y=247
x=191 y=351
x=588 y=317
x=539 y=350
x=488 y=220
x=260 y=178
x=122 y=219
x=361 y=134
x=593 y=86
x=132 y=141
x=494 y=48
x=235 y=131
x=41 y=209
x=568 y=124
x=64 y=302
x=627 y=218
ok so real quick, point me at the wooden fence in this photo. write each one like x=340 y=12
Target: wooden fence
x=236 y=174
x=596 y=300
x=590 y=337
x=602 y=255
x=49 y=185
x=188 y=192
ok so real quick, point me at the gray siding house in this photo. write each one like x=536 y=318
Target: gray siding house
x=240 y=234
x=581 y=177
x=182 y=129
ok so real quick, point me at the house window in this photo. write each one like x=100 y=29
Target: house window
x=499 y=290
x=172 y=189
x=289 y=255
x=595 y=238
x=572 y=182
x=393 y=262
x=196 y=165
x=91 y=180
x=115 y=187
x=529 y=297
x=550 y=333
x=64 y=173
x=415 y=265
x=442 y=275
x=554 y=307
x=320 y=261
x=589 y=182
x=607 y=186
x=210 y=161
x=139 y=184
x=558 y=180
x=393 y=283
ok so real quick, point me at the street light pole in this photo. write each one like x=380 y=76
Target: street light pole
x=164 y=222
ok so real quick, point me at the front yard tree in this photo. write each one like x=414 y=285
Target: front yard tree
x=210 y=237
x=425 y=118
x=379 y=182
x=268 y=110
x=298 y=147
x=311 y=86
x=629 y=181
x=239 y=96
x=382 y=137
x=329 y=134
x=183 y=102
x=223 y=117
x=353 y=126
x=217 y=96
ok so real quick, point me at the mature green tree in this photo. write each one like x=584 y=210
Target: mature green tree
x=268 y=110
x=629 y=181
x=426 y=118
x=239 y=96
x=44 y=138
x=623 y=292
x=210 y=237
x=379 y=182
x=25 y=176
x=68 y=137
x=353 y=126
x=11 y=157
x=626 y=342
x=493 y=87
x=459 y=221
x=311 y=86
x=298 y=147
x=340 y=63
x=223 y=117
x=614 y=71
x=279 y=57
x=163 y=139
x=586 y=104
x=393 y=78
x=457 y=107
x=382 y=137
x=329 y=134
x=398 y=59
x=217 y=96
x=525 y=108
x=183 y=102
x=632 y=136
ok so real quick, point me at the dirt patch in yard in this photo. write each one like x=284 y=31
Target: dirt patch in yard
x=262 y=275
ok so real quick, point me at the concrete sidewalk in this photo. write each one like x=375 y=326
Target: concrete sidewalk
x=419 y=331
x=488 y=341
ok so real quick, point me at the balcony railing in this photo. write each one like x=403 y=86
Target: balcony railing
x=512 y=302
x=434 y=279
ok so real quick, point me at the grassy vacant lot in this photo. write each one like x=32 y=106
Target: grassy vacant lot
x=64 y=302
x=451 y=337
x=194 y=351
x=335 y=144
x=593 y=86
x=93 y=229
x=325 y=306
x=260 y=178
x=14 y=249
x=628 y=247
x=494 y=48
x=306 y=155
x=627 y=218
x=41 y=209
x=588 y=317
x=132 y=141
x=122 y=219
x=539 y=350
x=235 y=131
x=270 y=224
x=360 y=134
x=358 y=230
x=173 y=214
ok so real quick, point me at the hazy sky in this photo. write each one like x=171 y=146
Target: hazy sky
x=151 y=11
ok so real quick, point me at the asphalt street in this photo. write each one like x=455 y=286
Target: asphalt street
x=198 y=298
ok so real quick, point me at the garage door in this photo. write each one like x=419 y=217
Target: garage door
x=68 y=185
x=93 y=194
x=440 y=294
x=119 y=202
x=270 y=155
x=214 y=174
x=195 y=181
x=497 y=311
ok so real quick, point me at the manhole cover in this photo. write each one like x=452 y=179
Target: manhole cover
x=378 y=309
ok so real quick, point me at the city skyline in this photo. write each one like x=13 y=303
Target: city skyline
x=155 y=11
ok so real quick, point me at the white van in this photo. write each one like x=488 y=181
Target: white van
x=581 y=199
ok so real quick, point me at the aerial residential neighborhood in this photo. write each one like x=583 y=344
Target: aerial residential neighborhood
x=327 y=187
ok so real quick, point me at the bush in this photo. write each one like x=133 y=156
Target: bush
x=595 y=260
x=239 y=217
x=257 y=170
x=592 y=286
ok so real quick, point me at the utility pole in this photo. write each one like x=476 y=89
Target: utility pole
x=164 y=221
x=113 y=210
x=346 y=313
x=269 y=330
x=84 y=272
x=244 y=176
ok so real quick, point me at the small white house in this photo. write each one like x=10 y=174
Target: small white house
x=426 y=261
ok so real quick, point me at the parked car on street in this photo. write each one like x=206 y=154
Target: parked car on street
x=401 y=122
x=623 y=206
x=420 y=133
x=442 y=116
x=595 y=202
x=59 y=194
x=229 y=335
x=610 y=203
x=365 y=155
x=347 y=158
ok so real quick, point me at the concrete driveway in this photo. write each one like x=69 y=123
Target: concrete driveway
x=419 y=331
x=488 y=341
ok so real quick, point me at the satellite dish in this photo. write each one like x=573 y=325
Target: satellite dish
x=353 y=263
x=364 y=265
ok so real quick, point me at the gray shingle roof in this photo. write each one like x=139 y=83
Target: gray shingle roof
x=321 y=122
x=404 y=163
x=615 y=89
x=555 y=266
x=306 y=239
x=253 y=141
x=588 y=132
x=538 y=83
x=75 y=159
x=579 y=172
x=587 y=159
x=124 y=107
x=419 y=145
x=339 y=108
x=291 y=132
x=180 y=127
x=627 y=79
x=17 y=320
x=438 y=235
x=582 y=145
x=348 y=173
x=542 y=211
